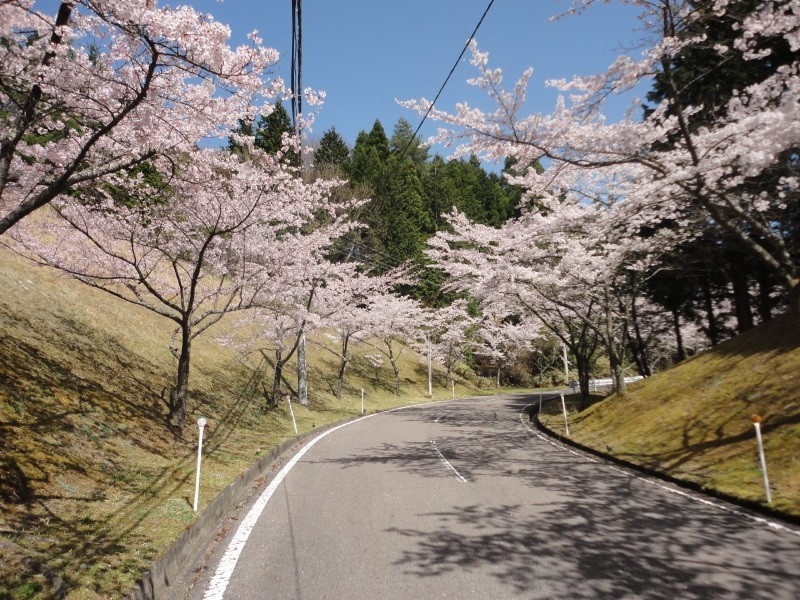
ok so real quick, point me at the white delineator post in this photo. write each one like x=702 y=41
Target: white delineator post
x=201 y=423
x=757 y=424
x=362 y=401
x=454 y=388
x=564 y=408
x=291 y=411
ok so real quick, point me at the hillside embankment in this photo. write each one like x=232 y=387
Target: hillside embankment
x=693 y=421
x=93 y=484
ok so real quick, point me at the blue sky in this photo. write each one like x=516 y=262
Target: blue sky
x=366 y=53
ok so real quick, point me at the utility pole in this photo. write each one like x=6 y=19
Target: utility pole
x=297 y=109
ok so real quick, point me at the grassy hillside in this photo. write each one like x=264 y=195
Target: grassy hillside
x=93 y=486
x=693 y=421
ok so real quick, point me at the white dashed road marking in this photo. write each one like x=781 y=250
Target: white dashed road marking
x=449 y=466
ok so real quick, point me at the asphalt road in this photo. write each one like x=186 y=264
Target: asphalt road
x=463 y=500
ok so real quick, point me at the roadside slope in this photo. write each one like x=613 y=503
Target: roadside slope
x=693 y=421
x=93 y=485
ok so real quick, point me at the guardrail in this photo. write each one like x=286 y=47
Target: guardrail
x=608 y=382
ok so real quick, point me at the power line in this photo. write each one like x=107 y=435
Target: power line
x=450 y=74
x=393 y=259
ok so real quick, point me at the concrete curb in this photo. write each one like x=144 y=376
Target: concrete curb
x=168 y=567
x=689 y=485
x=172 y=563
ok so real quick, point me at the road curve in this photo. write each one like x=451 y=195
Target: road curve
x=463 y=500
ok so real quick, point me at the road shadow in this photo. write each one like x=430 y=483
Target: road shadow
x=603 y=537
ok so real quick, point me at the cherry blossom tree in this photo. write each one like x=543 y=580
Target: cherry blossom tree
x=347 y=308
x=450 y=335
x=670 y=172
x=106 y=84
x=502 y=338
x=302 y=293
x=396 y=323
x=557 y=268
x=194 y=250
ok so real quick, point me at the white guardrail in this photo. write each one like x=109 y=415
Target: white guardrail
x=607 y=382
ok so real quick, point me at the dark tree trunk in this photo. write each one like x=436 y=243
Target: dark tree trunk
x=345 y=359
x=712 y=330
x=741 y=300
x=396 y=377
x=764 y=305
x=794 y=298
x=676 y=325
x=182 y=387
x=582 y=365
x=276 y=382
x=302 y=371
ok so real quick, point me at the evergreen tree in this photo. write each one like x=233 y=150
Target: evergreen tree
x=399 y=214
x=366 y=164
x=270 y=129
x=702 y=77
x=332 y=150
x=403 y=140
x=440 y=192
x=244 y=129
x=377 y=139
x=268 y=133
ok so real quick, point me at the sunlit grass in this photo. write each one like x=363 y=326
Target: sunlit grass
x=94 y=486
x=693 y=421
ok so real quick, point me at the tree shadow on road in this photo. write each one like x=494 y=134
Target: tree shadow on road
x=597 y=535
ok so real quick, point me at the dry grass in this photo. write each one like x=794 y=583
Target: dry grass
x=93 y=486
x=693 y=421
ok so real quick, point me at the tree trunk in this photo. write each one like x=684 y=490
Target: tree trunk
x=618 y=375
x=498 y=376
x=616 y=355
x=276 y=382
x=302 y=371
x=764 y=294
x=794 y=298
x=342 y=367
x=396 y=377
x=639 y=350
x=582 y=365
x=713 y=330
x=676 y=324
x=182 y=387
x=741 y=300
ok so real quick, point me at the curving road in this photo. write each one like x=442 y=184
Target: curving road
x=463 y=500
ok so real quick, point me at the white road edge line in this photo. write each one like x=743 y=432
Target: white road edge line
x=222 y=576
x=728 y=509
x=451 y=467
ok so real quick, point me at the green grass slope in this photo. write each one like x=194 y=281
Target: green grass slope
x=93 y=486
x=693 y=421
